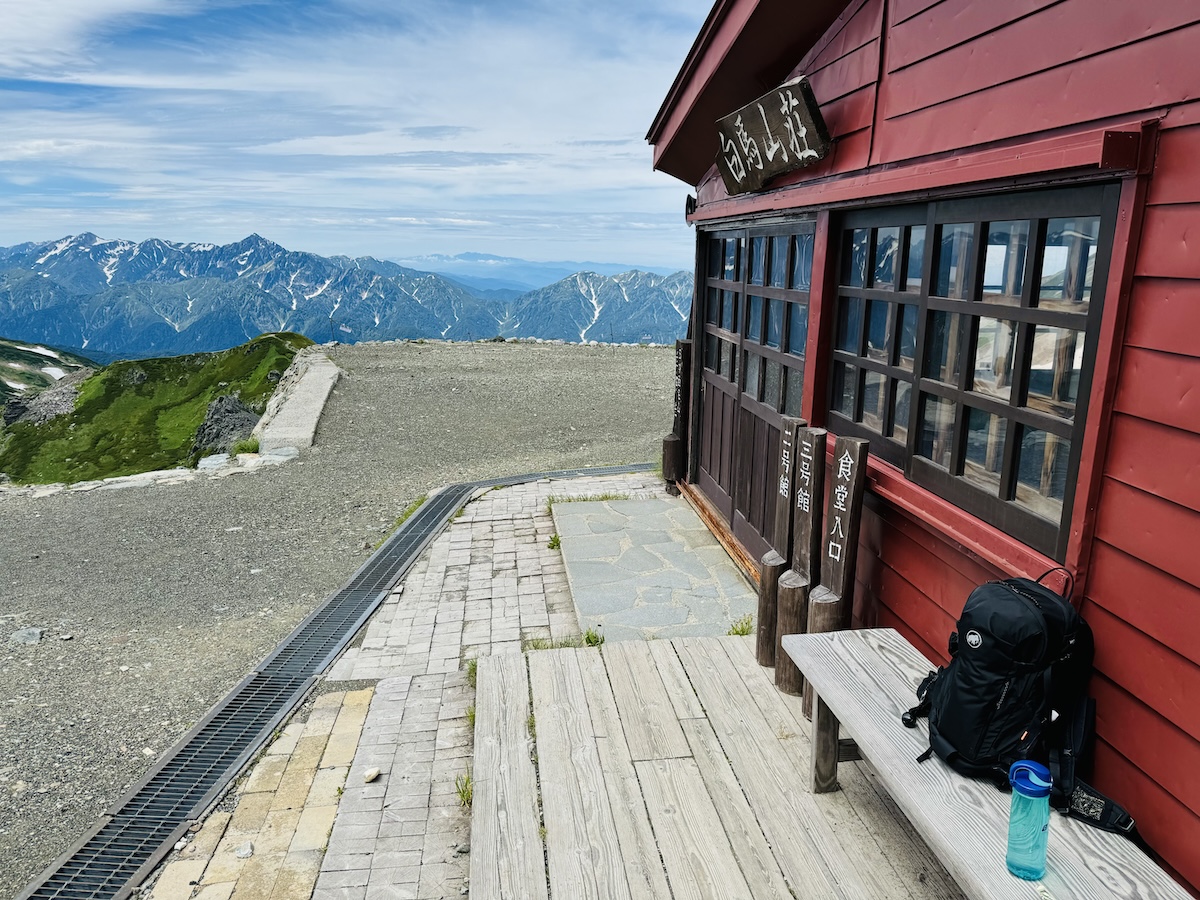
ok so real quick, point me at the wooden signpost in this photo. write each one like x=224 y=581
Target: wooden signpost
x=798 y=580
x=780 y=131
x=674 y=458
x=775 y=561
x=831 y=604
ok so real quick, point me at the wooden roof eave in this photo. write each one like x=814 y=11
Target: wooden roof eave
x=745 y=48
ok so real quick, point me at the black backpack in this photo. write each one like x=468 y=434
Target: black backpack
x=1016 y=688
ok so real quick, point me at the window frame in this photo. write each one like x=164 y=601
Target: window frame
x=1025 y=316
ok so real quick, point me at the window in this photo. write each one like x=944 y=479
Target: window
x=963 y=338
x=756 y=312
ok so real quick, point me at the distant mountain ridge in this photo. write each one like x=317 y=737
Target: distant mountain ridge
x=117 y=298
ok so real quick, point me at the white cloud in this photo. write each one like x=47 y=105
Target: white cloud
x=486 y=120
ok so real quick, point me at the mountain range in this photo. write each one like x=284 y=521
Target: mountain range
x=112 y=299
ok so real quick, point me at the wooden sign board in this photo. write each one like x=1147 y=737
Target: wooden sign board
x=843 y=514
x=782 y=535
x=781 y=131
x=806 y=508
x=683 y=387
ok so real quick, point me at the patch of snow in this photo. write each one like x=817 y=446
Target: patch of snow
x=85 y=343
x=320 y=290
x=54 y=372
x=591 y=290
x=58 y=248
x=190 y=302
x=13 y=365
x=42 y=350
x=15 y=386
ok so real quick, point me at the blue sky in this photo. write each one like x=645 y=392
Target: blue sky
x=389 y=128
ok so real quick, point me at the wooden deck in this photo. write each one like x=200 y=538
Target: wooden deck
x=670 y=769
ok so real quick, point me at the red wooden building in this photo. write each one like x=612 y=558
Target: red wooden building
x=993 y=275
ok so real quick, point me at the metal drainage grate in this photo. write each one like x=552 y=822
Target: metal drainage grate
x=116 y=856
x=140 y=829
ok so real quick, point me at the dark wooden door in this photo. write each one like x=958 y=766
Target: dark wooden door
x=753 y=313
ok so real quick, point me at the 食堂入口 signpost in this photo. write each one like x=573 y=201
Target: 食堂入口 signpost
x=831 y=603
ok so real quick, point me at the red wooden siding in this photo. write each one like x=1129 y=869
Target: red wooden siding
x=1143 y=590
x=1064 y=65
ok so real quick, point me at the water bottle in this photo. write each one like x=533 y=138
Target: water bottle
x=1028 y=819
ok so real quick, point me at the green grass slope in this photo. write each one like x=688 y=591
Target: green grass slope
x=140 y=416
x=27 y=369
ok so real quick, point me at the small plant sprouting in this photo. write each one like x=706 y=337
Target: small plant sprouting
x=593 y=638
x=531 y=724
x=465 y=788
x=245 y=445
x=555 y=542
x=472 y=671
x=742 y=626
x=471 y=716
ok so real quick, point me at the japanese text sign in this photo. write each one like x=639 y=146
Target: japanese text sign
x=780 y=131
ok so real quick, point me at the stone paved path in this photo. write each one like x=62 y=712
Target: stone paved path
x=648 y=568
x=490 y=583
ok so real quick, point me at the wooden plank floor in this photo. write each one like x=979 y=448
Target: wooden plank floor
x=673 y=769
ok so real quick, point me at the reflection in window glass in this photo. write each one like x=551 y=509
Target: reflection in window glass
x=937 y=430
x=845 y=387
x=775 y=323
x=753 y=386
x=985 y=449
x=758 y=247
x=994 y=347
x=793 y=397
x=712 y=310
x=797 y=328
x=731 y=258
x=779 y=245
x=710 y=352
x=1004 y=261
x=1068 y=263
x=916 y=258
x=954 y=258
x=754 y=321
x=854 y=257
x=802 y=258
x=887 y=252
x=943 y=351
x=772 y=383
x=1042 y=472
x=716 y=258
x=907 y=349
x=849 y=324
x=1055 y=369
x=877 y=329
x=900 y=411
x=727 y=352
x=874 y=401
x=728 y=310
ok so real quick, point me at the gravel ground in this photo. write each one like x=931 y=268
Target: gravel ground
x=156 y=601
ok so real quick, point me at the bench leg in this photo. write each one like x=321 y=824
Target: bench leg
x=824 y=748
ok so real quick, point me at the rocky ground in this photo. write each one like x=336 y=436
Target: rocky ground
x=154 y=601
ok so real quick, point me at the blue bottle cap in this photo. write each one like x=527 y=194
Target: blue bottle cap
x=1029 y=778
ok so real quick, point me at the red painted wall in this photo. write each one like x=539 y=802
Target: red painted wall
x=904 y=81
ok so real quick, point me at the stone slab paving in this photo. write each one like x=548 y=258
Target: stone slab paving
x=270 y=845
x=648 y=568
x=489 y=583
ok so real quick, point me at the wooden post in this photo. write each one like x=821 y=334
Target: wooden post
x=843 y=516
x=776 y=559
x=830 y=605
x=674 y=449
x=824 y=750
x=795 y=584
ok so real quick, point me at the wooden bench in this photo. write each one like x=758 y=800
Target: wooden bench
x=864 y=680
